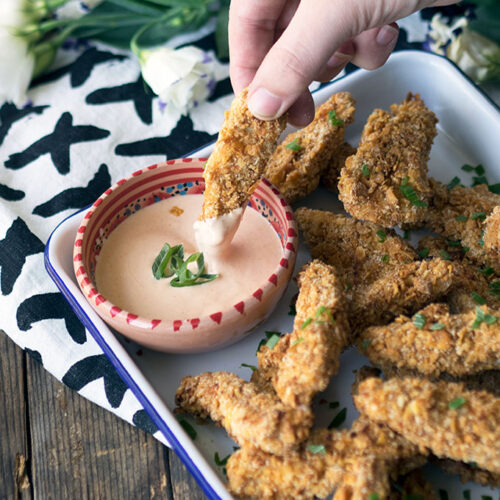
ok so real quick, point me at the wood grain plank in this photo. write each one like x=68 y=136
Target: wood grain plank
x=83 y=451
x=14 y=427
x=183 y=484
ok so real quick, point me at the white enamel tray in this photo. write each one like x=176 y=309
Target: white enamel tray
x=469 y=132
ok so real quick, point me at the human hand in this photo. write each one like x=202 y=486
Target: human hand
x=280 y=46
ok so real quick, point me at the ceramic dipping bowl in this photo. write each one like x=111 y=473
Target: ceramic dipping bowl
x=196 y=333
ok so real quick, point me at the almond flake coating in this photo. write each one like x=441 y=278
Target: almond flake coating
x=248 y=415
x=296 y=172
x=237 y=162
x=395 y=148
x=418 y=409
x=455 y=348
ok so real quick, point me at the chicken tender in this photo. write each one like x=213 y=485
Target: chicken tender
x=324 y=462
x=413 y=486
x=248 y=415
x=492 y=237
x=386 y=180
x=435 y=342
x=330 y=175
x=237 y=162
x=444 y=417
x=460 y=214
x=437 y=247
x=296 y=165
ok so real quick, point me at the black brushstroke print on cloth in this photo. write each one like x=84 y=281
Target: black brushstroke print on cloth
x=50 y=306
x=142 y=420
x=10 y=194
x=19 y=243
x=92 y=368
x=76 y=197
x=81 y=68
x=57 y=144
x=137 y=92
x=9 y=114
x=180 y=141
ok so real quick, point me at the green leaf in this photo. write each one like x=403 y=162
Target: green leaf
x=221 y=34
x=385 y=258
x=461 y=218
x=477 y=180
x=188 y=428
x=382 y=236
x=468 y=168
x=494 y=188
x=220 y=462
x=409 y=193
x=406 y=234
x=294 y=145
x=423 y=252
x=478 y=299
x=486 y=271
x=478 y=215
x=457 y=403
x=454 y=182
x=437 y=326
x=306 y=323
x=252 y=367
x=164 y=264
x=444 y=254
x=332 y=116
x=273 y=340
x=339 y=419
x=365 y=170
x=317 y=448
x=419 y=320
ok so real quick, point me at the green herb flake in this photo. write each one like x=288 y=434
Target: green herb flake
x=486 y=271
x=419 y=320
x=468 y=168
x=385 y=258
x=466 y=494
x=444 y=254
x=292 y=311
x=406 y=234
x=437 y=326
x=486 y=497
x=477 y=180
x=423 y=252
x=252 y=367
x=480 y=170
x=294 y=145
x=494 y=188
x=409 y=193
x=454 y=243
x=456 y=403
x=374 y=496
x=365 y=170
x=365 y=344
x=268 y=336
x=478 y=215
x=220 y=462
x=495 y=285
x=478 y=299
x=332 y=116
x=273 y=340
x=317 y=448
x=443 y=495
x=306 y=323
x=188 y=428
x=461 y=218
x=465 y=249
x=339 y=419
x=333 y=405
x=381 y=235
x=481 y=240
x=348 y=287
x=454 y=182
x=298 y=341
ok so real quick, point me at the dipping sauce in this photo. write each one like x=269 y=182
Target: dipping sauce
x=124 y=276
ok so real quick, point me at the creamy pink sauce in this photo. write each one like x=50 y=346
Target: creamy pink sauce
x=123 y=272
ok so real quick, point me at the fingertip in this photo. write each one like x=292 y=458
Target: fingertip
x=301 y=113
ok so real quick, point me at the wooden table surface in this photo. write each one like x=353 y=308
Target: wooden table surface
x=54 y=444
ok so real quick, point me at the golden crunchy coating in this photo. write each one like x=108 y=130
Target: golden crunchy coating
x=413 y=485
x=459 y=214
x=393 y=152
x=492 y=237
x=330 y=175
x=320 y=334
x=469 y=473
x=237 y=162
x=445 y=343
x=314 y=471
x=444 y=417
x=296 y=172
x=248 y=415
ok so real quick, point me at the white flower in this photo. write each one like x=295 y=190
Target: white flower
x=182 y=78
x=476 y=55
x=16 y=61
x=441 y=34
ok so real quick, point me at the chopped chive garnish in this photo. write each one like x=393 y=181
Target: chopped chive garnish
x=486 y=497
x=443 y=495
x=385 y=258
x=481 y=240
x=468 y=168
x=365 y=344
x=264 y=341
x=437 y=326
x=495 y=285
x=252 y=367
x=419 y=320
x=482 y=316
x=444 y=254
x=454 y=182
x=204 y=165
x=294 y=145
x=456 y=403
x=466 y=494
x=298 y=341
x=478 y=215
x=478 y=298
x=481 y=179
x=494 y=188
x=317 y=448
x=188 y=428
x=409 y=193
x=423 y=252
x=486 y=271
x=163 y=267
x=273 y=340
x=480 y=170
x=306 y=323
x=348 y=287
x=374 y=496
x=292 y=311
x=454 y=243
x=381 y=235
x=461 y=218
x=333 y=405
x=332 y=116
x=220 y=462
x=465 y=249
x=406 y=234
x=365 y=170
x=339 y=419
x=324 y=310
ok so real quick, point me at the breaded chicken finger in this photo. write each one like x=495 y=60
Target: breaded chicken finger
x=491 y=238
x=296 y=165
x=445 y=417
x=248 y=415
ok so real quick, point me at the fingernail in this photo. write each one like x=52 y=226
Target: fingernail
x=338 y=59
x=263 y=104
x=386 y=35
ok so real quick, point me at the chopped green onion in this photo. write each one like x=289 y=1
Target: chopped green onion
x=454 y=182
x=486 y=271
x=269 y=334
x=466 y=494
x=306 y=323
x=443 y=495
x=163 y=266
x=294 y=145
x=298 y=341
x=273 y=340
x=494 y=188
x=365 y=170
x=322 y=310
x=495 y=285
x=188 y=428
x=423 y=252
x=406 y=234
x=419 y=320
x=385 y=258
x=461 y=218
x=333 y=405
x=481 y=241
x=317 y=448
x=454 y=243
x=332 y=116
x=456 y=403
x=482 y=316
x=409 y=193
x=437 y=326
x=478 y=215
x=374 y=496
x=292 y=311
x=252 y=367
x=381 y=235
x=339 y=419
x=478 y=298
x=481 y=179
x=444 y=254
x=479 y=170
x=220 y=462
x=465 y=249
x=468 y=168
